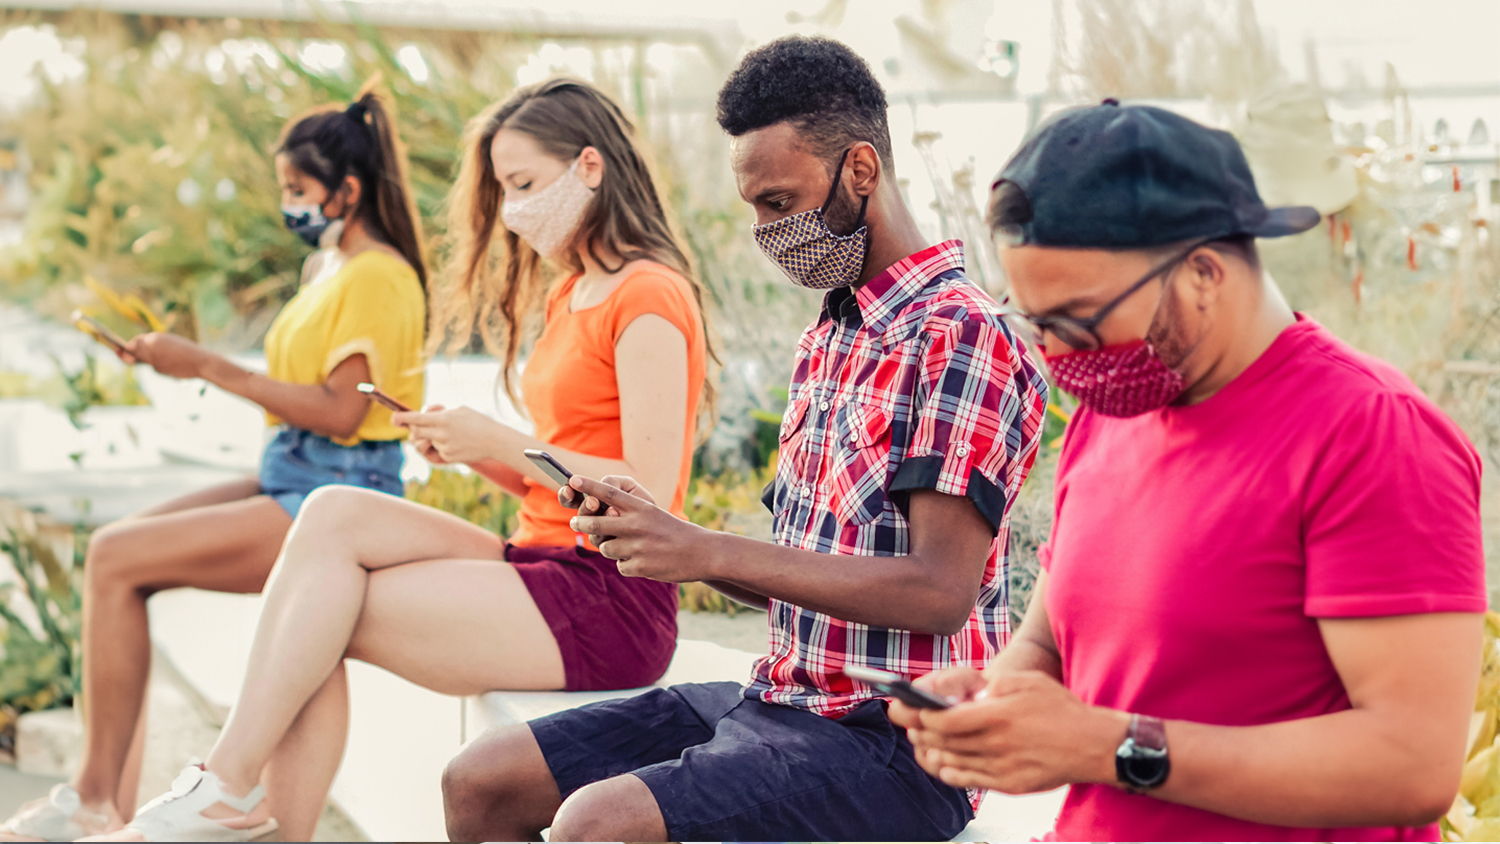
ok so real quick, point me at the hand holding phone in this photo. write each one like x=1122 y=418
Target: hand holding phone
x=96 y=329
x=895 y=686
x=381 y=398
x=559 y=473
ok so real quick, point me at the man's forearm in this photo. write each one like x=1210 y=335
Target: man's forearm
x=741 y=594
x=1354 y=768
x=905 y=592
x=1026 y=654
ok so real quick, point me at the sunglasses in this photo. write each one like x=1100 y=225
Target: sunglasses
x=1081 y=332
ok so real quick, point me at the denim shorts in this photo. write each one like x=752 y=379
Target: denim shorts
x=296 y=462
x=723 y=768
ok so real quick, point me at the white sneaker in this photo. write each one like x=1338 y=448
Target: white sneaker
x=59 y=816
x=178 y=814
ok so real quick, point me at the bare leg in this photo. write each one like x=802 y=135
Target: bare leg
x=454 y=626
x=499 y=788
x=128 y=796
x=302 y=769
x=457 y=626
x=221 y=539
x=617 y=809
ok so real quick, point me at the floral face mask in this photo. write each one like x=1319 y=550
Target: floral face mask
x=548 y=219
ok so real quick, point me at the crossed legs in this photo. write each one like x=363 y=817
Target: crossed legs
x=419 y=592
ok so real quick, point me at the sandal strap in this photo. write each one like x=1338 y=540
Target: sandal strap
x=178 y=814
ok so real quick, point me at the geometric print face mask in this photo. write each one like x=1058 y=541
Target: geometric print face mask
x=809 y=252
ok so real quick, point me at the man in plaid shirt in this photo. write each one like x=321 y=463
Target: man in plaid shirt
x=914 y=416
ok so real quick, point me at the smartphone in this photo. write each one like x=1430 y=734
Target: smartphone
x=557 y=472
x=896 y=686
x=94 y=328
x=381 y=398
x=549 y=465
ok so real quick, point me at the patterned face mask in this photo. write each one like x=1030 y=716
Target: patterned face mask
x=1125 y=380
x=809 y=252
x=306 y=221
x=548 y=219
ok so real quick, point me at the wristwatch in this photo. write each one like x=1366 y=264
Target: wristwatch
x=1141 y=762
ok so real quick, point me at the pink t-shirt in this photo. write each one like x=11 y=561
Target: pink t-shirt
x=1195 y=548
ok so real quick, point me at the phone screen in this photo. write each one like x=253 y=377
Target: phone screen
x=895 y=686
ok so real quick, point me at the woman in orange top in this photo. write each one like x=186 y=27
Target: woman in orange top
x=615 y=384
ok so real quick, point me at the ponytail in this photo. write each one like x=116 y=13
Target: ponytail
x=330 y=144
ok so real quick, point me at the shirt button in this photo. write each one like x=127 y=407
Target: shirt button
x=806 y=491
x=963 y=449
x=823 y=406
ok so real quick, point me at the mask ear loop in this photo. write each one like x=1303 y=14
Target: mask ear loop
x=838 y=179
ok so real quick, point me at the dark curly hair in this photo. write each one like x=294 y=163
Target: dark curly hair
x=819 y=85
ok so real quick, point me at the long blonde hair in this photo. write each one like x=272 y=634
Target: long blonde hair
x=626 y=214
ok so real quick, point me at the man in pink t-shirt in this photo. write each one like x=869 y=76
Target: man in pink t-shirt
x=1260 y=615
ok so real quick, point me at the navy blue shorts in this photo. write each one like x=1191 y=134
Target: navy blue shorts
x=723 y=768
x=296 y=462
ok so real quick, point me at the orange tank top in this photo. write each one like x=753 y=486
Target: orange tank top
x=572 y=394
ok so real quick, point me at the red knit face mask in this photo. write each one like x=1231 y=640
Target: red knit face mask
x=1124 y=380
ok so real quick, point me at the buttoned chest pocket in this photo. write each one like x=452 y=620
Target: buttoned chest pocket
x=790 y=458
x=860 y=463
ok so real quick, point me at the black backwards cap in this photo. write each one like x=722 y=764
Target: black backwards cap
x=1122 y=177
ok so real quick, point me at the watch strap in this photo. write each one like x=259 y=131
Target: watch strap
x=1148 y=732
x=1141 y=763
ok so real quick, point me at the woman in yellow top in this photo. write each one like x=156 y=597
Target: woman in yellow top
x=615 y=384
x=359 y=316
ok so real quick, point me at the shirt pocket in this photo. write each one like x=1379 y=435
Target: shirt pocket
x=860 y=464
x=790 y=460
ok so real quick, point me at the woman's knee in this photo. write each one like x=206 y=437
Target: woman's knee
x=114 y=558
x=335 y=507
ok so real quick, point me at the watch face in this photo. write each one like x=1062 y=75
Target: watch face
x=1147 y=772
x=1140 y=768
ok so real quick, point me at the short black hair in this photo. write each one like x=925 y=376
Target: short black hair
x=823 y=88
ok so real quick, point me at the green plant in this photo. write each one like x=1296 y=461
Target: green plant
x=468 y=496
x=91 y=386
x=40 y=617
x=728 y=501
x=766 y=436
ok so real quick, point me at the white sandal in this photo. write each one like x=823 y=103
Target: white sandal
x=178 y=814
x=59 y=816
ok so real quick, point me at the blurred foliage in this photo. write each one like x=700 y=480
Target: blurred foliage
x=766 y=437
x=730 y=502
x=75 y=392
x=153 y=172
x=40 y=617
x=1475 y=815
x=470 y=497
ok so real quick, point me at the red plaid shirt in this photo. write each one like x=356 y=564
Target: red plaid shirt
x=909 y=382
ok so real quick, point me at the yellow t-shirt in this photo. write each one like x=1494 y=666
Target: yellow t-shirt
x=373 y=305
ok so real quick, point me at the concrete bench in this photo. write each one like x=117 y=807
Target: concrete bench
x=401 y=735
x=1001 y=817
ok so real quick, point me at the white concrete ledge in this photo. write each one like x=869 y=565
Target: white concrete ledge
x=401 y=735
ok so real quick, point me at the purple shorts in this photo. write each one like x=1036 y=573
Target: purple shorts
x=615 y=632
